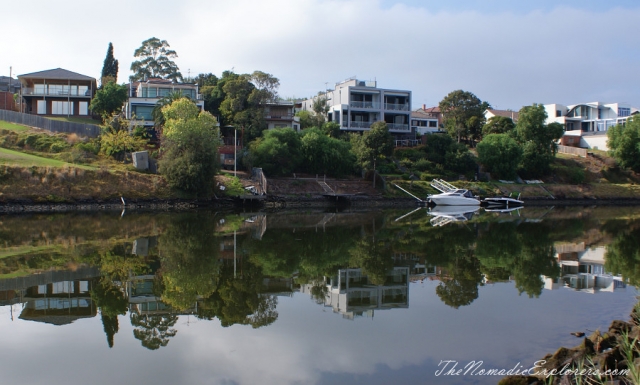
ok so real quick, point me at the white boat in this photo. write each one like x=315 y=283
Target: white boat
x=459 y=197
x=443 y=215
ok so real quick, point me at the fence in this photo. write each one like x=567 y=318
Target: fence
x=572 y=150
x=258 y=176
x=81 y=129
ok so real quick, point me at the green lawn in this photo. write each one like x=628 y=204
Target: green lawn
x=12 y=126
x=75 y=119
x=21 y=159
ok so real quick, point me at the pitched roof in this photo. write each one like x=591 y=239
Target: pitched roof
x=505 y=113
x=422 y=114
x=57 y=73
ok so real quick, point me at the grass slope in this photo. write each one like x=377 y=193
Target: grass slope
x=12 y=126
x=11 y=157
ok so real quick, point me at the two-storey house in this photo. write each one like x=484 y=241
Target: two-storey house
x=144 y=95
x=57 y=92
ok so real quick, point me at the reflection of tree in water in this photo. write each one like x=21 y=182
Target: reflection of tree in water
x=623 y=255
x=240 y=300
x=153 y=330
x=189 y=256
x=523 y=251
x=461 y=287
x=112 y=302
x=374 y=257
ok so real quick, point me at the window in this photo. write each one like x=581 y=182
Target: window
x=42 y=107
x=83 y=108
x=433 y=123
x=143 y=112
x=624 y=111
x=61 y=108
x=39 y=89
x=558 y=113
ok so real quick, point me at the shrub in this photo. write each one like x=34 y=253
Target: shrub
x=422 y=165
x=406 y=162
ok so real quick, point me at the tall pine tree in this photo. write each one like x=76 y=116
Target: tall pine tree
x=109 y=68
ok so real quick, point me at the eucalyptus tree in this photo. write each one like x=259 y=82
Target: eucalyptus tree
x=155 y=61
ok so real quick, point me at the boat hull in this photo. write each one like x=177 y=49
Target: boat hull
x=453 y=201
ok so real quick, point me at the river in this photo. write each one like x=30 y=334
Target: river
x=306 y=297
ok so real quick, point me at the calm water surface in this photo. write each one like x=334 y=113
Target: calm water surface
x=352 y=297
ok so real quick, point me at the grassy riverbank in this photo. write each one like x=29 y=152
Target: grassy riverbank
x=41 y=167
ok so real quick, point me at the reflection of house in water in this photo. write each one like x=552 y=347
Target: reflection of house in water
x=352 y=294
x=141 y=292
x=55 y=297
x=582 y=269
x=418 y=269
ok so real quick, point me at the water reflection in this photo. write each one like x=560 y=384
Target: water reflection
x=141 y=273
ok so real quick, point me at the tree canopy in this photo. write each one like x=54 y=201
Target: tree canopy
x=500 y=154
x=372 y=146
x=463 y=114
x=624 y=143
x=190 y=147
x=538 y=140
x=498 y=125
x=155 y=61
x=109 y=99
x=109 y=67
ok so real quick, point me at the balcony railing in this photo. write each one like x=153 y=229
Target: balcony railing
x=279 y=116
x=32 y=91
x=398 y=127
x=360 y=124
x=396 y=107
x=371 y=105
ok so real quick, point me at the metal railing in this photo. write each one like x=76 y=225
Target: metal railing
x=279 y=116
x=398 y=127
x=360 y=124
x=371 y=105
x=71 y=92
x=408 y=143
x=396 y=107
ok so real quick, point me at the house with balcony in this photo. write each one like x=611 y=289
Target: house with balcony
x=57 y=92
x=351 y=293
x=357 y=104
x=144 y=95
x=281 y=114
x=582 y=268
x=586 y=124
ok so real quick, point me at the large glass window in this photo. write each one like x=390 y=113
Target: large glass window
x=39 y=89
x=61 y=108
x=83 y=108
x=624 y=111
x=83 y=91
x=42 y=107
x=164 y=91
x=143 y=112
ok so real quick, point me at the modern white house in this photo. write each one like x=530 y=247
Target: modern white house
x=357 y=104
x=582 y=269
x=352 y=294
x=143 y=97
x=586 y=124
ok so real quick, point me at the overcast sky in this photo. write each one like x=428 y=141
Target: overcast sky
x=509 y=53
